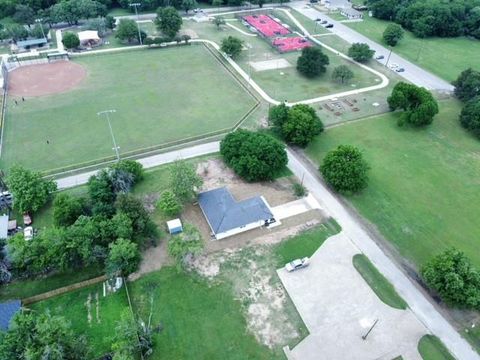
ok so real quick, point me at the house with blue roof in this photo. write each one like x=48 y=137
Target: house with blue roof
x=7 y=311
x=226 y=216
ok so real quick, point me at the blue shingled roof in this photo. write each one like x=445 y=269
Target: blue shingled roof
x=7 y=310
x=224 y=213
x=31 y=42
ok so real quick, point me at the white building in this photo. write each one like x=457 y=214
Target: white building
x=227 y=216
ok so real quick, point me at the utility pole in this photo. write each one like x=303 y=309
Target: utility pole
x=39 y=21
x=107 y=115
x=136 y=5
x=364 y=337
x=388 y=58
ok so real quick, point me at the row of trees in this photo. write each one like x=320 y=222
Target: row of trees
x=431 y=17
x=467 y=89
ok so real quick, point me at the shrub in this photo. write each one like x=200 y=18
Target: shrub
x=360 y=52
x=470 y=116
x=169 y=204
x=299 y=190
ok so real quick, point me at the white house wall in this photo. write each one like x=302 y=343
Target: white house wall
x=239 y=230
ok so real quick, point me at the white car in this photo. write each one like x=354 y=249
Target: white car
x=297 y=264
x=393 y=66
x=28 y=233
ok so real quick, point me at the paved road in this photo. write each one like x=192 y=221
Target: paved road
x=421 y=307
x=413 y=73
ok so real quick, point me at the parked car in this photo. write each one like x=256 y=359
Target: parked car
x=197 y=10
x=28 y=233
x=324 y=21
x=400 y=70
x=329 y=26
x=297 y=264
x=318 y=19
x=393 y=66
x=379 y=57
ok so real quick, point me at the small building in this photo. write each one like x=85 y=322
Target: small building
x=351 y=14
x=227 y=216
x=27 y=45
x=7 y=311
x=89 y=38
x=174 y=226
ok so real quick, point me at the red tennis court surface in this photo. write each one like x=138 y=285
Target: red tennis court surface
x=291 y=43
x=266 y=25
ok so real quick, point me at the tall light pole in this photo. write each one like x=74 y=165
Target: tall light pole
x=39 y=21
x=388 y=58
x=107 y=115
x=136 y=5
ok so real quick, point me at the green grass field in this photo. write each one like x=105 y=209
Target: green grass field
x=423 y=189
x=100 y=330
x=200 y=320
x=160 y=96
x=445 y=57
x=431 y=348
x=380 y=286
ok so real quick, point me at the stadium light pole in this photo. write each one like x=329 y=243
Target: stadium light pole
x=107 y=115
x=136 y=5
x=39 y=21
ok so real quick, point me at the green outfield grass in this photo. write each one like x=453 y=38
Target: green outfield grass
x=431 y=348
x=100 y=330
x=445 y=57
x=160 y=96
x=423 y=189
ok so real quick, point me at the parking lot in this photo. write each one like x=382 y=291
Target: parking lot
x=338 y=308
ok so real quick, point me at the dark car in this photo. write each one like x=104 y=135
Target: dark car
x=400 y=70
x=324 y=21
x=318 y=19
x=329 y=26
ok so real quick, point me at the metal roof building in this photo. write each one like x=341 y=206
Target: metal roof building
x=227 y=216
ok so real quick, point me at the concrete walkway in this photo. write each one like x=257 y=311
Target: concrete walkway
x=240 y=30
x=295 y=207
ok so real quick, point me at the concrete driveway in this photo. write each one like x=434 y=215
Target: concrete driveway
x=338 y=307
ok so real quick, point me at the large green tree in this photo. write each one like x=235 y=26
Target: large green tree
x=42 y=336
x=168 y=21
x=342 y=74
x=253 y=156
x=67 y=209
x=312 y=62
x=418 y=104
x=72 y=11
x=231 y=46
x=70 y=40
x=345 y=170
x=184 y=181
x=467 y=85
x=127 y=30
x=131 y=166
x=302 y=125
x=277 y=115
x=24 y=14
x=360 y=52
x=188 y=5
x=453 y=277
x=30 y=190
x=470 y=116
x=123 y=258
x=393 y=34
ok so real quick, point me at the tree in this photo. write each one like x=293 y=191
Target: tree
x=133 y=208
x=110 y=22
x=71 y=11
x=123 y=258
x=97 y=24
x=218 y=21
x=37 y=31
x=128 y=332
x=453 y=277
x=101 y=192
x=127 y=30
x=342 y=74
x=70 y=40
x=360 y=52
x=67 y=209
x=231 y=46
x=16 y=32
x=217 y=3
x=169 y=204
x=312 y=62
x=470 y=116
x=186 y=245
x=253 y=156
x=30 y=191
x=277 y=116
x=302 y=125
x=345 y=170
x=393 y=34
x=467 y=85
x=184 y=181
x=24 y=14
x=34 y=335
x=418 y=103
x=168 y=21
x=189 y=5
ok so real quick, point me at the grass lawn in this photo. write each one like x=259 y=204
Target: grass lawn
x=283 y=83
x=200 y=320
x=104 y=314
x=431 y=348
x=160 y=96
x=27 y=288
x=445 y=57
x=306 y=243
x=380 y=286
x=423 y=188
